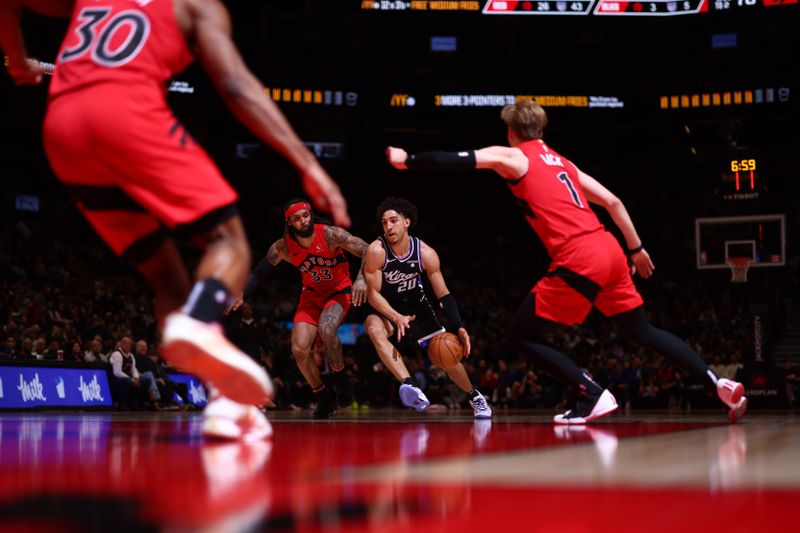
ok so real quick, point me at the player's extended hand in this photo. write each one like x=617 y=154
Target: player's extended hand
x=463 y=336
x=642 y=264
x=27 y=72
x=396 y=157
x=325 y=194
x=402 y=323
x=236 y=304
x=359 y=291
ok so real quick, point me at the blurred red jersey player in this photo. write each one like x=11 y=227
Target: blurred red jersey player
x=137 y=175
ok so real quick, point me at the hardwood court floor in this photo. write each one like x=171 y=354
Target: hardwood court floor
x=388 y=471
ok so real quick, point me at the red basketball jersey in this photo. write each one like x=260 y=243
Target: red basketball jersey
x=322 y=269
x=134 y=44
x=552 y=198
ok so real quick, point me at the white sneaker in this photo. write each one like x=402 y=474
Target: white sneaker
x=413 y=397
x=480 y=407
x=201 y=349
x=226 y=419
x=732 y=394
x=588 y=409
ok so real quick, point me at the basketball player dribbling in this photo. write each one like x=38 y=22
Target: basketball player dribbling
x=589 y=268
x=394 y=268
x=137 y=175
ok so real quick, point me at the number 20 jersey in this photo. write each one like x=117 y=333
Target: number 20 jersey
x=402 y=277
x=551 y=196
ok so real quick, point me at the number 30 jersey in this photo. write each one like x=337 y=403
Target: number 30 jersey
x=551 y=196
x=131 y=43
x=402 y=276
x=322 y=270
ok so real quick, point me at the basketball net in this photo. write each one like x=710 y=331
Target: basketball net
x=739 y=267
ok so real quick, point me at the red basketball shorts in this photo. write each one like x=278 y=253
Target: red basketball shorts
x=312 y=303
x=591 y=271
x=131 y=167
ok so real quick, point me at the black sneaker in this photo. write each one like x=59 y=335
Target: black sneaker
x=588 y=408
x=325 y=406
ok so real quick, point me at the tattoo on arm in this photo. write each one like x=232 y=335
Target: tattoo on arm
x=336 y=237
x=277 y=252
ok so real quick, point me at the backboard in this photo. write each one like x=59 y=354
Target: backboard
x=761 y=238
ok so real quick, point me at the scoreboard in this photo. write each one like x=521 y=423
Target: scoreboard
x=640 y=8
x=596 y=7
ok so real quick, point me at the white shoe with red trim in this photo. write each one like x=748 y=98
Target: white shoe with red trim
x=201 y=349
x=588 y=409
x=732 y=394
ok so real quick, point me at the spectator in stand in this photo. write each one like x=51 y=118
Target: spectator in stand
x=145 y=369
x=26 y=351
x=247 y=334
x=528 y=392
x=130 y=388
x=39 y=348
x=55 y=351
x=147 y=361
x=95 y=352
x=9 y=349
x=718 y=368
x=736 y=364
x=75 y=353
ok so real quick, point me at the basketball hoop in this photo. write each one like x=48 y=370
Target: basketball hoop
x=739 y=267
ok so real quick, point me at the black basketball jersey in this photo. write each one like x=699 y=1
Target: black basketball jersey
x=402 y=276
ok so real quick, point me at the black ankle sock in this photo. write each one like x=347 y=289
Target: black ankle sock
x=473 y=393
x=208 y=300
x=319 y=391
x=408 y=381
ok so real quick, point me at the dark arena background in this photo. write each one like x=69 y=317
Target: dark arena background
x=686 y=110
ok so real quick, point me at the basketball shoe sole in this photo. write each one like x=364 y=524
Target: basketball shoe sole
x=201 y=349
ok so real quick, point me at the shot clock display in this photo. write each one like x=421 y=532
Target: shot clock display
x=740 y=180
x=744 y=172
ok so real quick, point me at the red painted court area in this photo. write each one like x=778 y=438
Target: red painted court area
x=155 y=473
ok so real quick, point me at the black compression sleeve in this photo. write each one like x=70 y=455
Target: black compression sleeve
x=442 y=160
x=448 y=303
x=262 y=270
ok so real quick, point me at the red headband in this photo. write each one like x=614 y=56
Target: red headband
x=294 y=208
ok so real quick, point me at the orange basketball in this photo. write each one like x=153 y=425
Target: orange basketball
x=445 y=350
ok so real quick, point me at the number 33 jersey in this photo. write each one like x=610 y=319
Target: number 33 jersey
x=323 y=270
x=402 y=276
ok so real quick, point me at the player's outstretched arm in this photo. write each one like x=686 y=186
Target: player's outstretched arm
x=336 y=238
x=373 y=274
x=430 y=260
x=598 y=194
x=276 y=253
x=510 y=163
x=245 y=96
x=22 y=69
